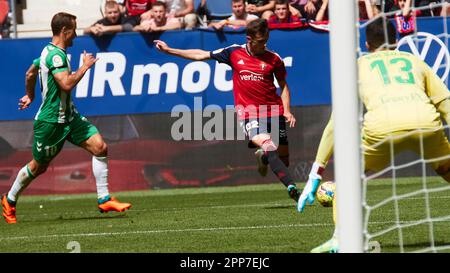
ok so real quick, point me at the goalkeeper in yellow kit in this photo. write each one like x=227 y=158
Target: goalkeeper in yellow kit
x=405 y=102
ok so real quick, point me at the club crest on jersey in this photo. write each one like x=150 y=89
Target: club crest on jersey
x=57 y=61
x=263 y=66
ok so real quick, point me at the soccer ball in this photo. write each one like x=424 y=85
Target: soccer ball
x=325 y=193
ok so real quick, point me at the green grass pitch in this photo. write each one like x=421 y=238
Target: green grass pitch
x=240 y=219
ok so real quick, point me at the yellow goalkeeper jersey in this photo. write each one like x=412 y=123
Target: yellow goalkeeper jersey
x=399 y=92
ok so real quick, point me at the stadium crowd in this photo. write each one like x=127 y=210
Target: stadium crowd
x=4 y=18
x=162 y=15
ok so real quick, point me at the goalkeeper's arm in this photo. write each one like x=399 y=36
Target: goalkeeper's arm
x=315 y=175
x=444 y=109
x=326 y=145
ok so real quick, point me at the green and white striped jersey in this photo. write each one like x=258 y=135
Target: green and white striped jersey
x=57 y=105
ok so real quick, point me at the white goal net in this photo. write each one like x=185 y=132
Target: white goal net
x=406 y=205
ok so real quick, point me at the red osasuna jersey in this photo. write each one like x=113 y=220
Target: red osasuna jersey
x=137 y=7
x=255 y=94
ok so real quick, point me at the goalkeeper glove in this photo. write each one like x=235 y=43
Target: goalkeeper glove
x=309 y=192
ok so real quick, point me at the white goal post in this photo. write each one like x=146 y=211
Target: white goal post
x=405 y=210
x=344 y=38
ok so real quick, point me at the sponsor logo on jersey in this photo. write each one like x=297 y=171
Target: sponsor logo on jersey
x=247 y=75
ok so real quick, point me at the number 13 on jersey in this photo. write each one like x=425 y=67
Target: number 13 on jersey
x=403 y=75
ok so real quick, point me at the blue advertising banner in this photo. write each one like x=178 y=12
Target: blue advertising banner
x=132 y=77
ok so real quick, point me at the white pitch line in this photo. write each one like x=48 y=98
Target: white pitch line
x=171 y=230
x=158 y=231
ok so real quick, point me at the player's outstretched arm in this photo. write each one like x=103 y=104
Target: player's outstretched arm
x=191 y=54
x=30 y=83
x=444 y=109
x=315 y=176
x=437 y=91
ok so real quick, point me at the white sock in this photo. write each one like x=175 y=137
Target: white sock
x=23 y=179
x=100 y=170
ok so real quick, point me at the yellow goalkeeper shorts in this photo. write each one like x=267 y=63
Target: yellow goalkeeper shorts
x=379 y=151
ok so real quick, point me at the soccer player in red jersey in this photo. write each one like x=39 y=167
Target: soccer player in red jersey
x=259 y=108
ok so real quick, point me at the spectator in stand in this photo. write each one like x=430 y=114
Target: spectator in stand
x=123 y=8
x=295 y=6
x=240 y=17
x=283 y=17
x=432 y=10
x=203 y=14
x=136 y=8
x=367 y=9
x=183 y=9
x=405 y=18
x=159 y=20
x=261 y=8
x=121 y=3
x=310 y=10
x=384 y=5
x=445 y=10
x=113 y=22
x=316 y=13
x=4 y=24
x=322 y=14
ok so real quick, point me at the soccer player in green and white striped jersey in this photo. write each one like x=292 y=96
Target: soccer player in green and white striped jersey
x=58 y=120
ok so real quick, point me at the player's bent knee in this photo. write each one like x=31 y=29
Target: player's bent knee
x=101 y=149
x=37 y=168
x=268 y=145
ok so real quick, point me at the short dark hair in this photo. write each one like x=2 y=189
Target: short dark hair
x=111 y=4
x=60 y=20
x=258 y=26
x=282 y=2
x=159 y=3
x=376 y=33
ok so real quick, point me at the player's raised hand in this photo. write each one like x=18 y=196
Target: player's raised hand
x=161 y=45
x=88 y=59
x=24 y=102
x=250 y=8
x=96 y=30
x=310 y=8
x=290 y=119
